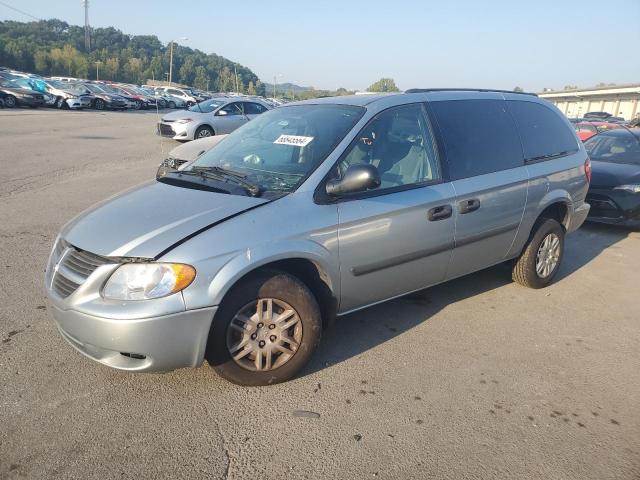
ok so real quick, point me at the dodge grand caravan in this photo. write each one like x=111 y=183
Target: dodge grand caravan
x=309 y=212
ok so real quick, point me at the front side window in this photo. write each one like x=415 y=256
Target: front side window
x=281 y=147
x=544 y=133
x=232 y=109
x=479 y=137
x=616 y=146
x=398 y=142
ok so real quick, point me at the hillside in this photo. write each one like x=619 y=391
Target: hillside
x=53 y=47
x=285 y=88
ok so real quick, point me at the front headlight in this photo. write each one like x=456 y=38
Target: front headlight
x=144 y=281
x=628 y=188
x=184 y=120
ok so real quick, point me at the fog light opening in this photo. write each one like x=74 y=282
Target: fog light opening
x=136 y=356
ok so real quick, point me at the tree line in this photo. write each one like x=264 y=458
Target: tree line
x=53 y=47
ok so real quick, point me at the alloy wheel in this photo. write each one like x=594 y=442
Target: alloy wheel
x=548 y=255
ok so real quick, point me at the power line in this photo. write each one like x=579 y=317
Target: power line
x=18 y=10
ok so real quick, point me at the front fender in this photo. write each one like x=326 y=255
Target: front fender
x=254 y=258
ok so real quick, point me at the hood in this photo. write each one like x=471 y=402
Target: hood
x=178 y=114
x=605 y=174
x=192 y=150
x=148 y=219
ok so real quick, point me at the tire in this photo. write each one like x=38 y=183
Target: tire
x=138 y=105
x=10 y=101
x=203 y=132
x=172 y=105
x=526 y=268
x=286 y=293
x=99 y=104
x=61 y=104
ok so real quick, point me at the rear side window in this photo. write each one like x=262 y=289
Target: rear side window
x=479 y=137
x=544 y=134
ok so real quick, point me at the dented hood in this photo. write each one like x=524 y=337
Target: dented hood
x=148 y=219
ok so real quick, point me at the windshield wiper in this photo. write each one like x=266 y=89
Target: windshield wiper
x=223 y=174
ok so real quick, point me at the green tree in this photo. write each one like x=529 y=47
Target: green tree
x=201 y=81
x=251 y=89
x=384 y=85
x=518 y=89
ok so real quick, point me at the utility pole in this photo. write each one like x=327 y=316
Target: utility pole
x=98 y=70
x=274 y=86
x=171 y=60
x=235 y=72
x=87 y=29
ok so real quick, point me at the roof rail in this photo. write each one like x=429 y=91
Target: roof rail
x=426 y=90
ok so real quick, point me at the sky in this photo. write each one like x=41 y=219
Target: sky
x=330 y=44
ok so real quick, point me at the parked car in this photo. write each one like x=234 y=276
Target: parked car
x=211 y=117
x=588 y=129
x=182 y=94
x=129 y=99
x=312 y=210
x=600 y=115
x=67 y=95
x=614 y=194
x=14 y=95
x=141 y=101
x=103 y=99
x=187 y=152
x=173 y=102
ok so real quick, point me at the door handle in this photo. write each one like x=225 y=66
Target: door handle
x=467 y=206
x=439 y=213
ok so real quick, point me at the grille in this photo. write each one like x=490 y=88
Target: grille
x=73 y=267
x=166 y=130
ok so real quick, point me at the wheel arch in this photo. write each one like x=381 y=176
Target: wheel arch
x=204 y=124
x=310 y=268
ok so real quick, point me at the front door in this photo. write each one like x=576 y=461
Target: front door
x=229 y=117
x=398 y=237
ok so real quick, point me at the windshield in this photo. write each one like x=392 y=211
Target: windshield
x=619 y=148
x=207 y=106
x=280 y=148
x=93 y=88
x=58 y=85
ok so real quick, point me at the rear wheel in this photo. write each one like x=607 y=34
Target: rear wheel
x=10 y=101
x=138 y=105
x=99 y=104
x=540 y=261
x=265 y=331
x=203 y=132
x=172 y=105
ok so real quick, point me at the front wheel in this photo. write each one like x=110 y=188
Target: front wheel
x=203 y=132
x=10 y=101
x=172 y=105
x=99 y=104
x=265 y=331
x=540 y=261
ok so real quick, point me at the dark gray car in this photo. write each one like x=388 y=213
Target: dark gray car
x=309 y=212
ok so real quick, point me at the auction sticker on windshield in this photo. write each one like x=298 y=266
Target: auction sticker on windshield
x=295 y=140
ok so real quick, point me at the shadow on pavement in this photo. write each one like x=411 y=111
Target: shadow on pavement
x=358 y=332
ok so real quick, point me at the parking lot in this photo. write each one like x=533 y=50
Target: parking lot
x=475 y=378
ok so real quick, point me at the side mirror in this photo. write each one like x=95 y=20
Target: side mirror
x=357 y=178
x=221 y=113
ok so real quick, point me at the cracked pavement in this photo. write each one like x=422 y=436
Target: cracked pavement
x=475 y=378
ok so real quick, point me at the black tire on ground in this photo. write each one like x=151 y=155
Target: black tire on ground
x=203 y=132
x=268 y=284
x=99 y=104
x=61 y=104
x=138 y=105
x=172 y=105
x=524 y=270
x=10 y=101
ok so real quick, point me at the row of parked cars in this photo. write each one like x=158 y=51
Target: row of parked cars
x=19 y=89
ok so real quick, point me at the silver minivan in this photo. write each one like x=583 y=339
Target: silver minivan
x=309 y=212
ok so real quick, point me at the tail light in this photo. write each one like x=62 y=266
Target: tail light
x=587 y=169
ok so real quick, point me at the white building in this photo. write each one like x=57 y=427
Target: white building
x=620 y=101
